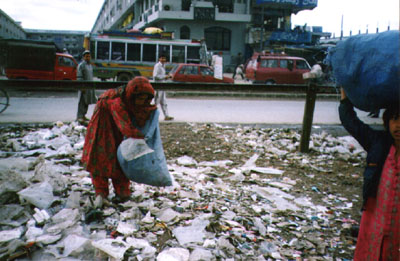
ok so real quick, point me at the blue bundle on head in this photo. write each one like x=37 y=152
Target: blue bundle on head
x=368 y=68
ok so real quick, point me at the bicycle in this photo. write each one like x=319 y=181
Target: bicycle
x=4 y=100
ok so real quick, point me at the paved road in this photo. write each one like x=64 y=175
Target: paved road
x=48 y=108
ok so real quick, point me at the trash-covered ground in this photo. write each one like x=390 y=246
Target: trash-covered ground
x=240 y=193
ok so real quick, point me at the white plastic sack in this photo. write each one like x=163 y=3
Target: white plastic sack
x=134 y=148
x=218 y=67
x=147 y=168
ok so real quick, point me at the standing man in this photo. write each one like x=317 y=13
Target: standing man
x=159 y=76
x=86 y=97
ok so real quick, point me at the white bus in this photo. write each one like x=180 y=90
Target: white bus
x=122 y=56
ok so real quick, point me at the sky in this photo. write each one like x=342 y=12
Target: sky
x=81 y=14
x=357 y=15
x=77 y=15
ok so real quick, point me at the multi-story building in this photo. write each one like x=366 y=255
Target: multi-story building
x=228 y=26
x=10 y=28
x=68 y=41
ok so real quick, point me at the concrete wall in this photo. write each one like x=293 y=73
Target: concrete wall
x=175 y=5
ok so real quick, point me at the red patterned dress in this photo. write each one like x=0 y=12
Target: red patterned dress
x=379 y=236
x=111 y=121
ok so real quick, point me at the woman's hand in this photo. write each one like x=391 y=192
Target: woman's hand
x=139 y=135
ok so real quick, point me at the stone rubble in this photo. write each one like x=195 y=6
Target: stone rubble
x=215 y=210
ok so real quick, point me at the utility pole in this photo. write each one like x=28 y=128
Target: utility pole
x=341 y=29
x=262 y=32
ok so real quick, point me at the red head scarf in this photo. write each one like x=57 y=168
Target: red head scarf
x=139 y=85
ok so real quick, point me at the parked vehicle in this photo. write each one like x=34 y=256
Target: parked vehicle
x=29 y=59
x=122 y=56
x=272 y=68
x=190 y=72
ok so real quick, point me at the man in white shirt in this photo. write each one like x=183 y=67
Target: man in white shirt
x=159 y=76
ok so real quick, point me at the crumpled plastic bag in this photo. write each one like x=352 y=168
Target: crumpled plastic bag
x=134 y=148
x=367 y=67
x=39 y=195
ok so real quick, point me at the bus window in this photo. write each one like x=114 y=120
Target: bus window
x=193 y=54
x=149 y=52
x=133 y=52
x=164 y=49
x=118 y=51
x=103 y=50
x=178 y=54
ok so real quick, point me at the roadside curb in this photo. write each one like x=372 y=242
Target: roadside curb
x=172 y=94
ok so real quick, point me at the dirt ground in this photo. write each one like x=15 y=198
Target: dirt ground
x=343 y=177
x=334 y=177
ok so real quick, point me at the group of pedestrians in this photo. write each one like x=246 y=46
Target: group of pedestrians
x=116 y=109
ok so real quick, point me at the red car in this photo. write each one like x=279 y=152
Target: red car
x=276 y=69
x=188 y=72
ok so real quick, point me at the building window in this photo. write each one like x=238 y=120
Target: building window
x=186 y=5
x=218 y=38
x=224 y=6
x=185 y=32
x=112 y=12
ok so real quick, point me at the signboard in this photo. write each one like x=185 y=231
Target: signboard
x=297 y=3
x=291 y=37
